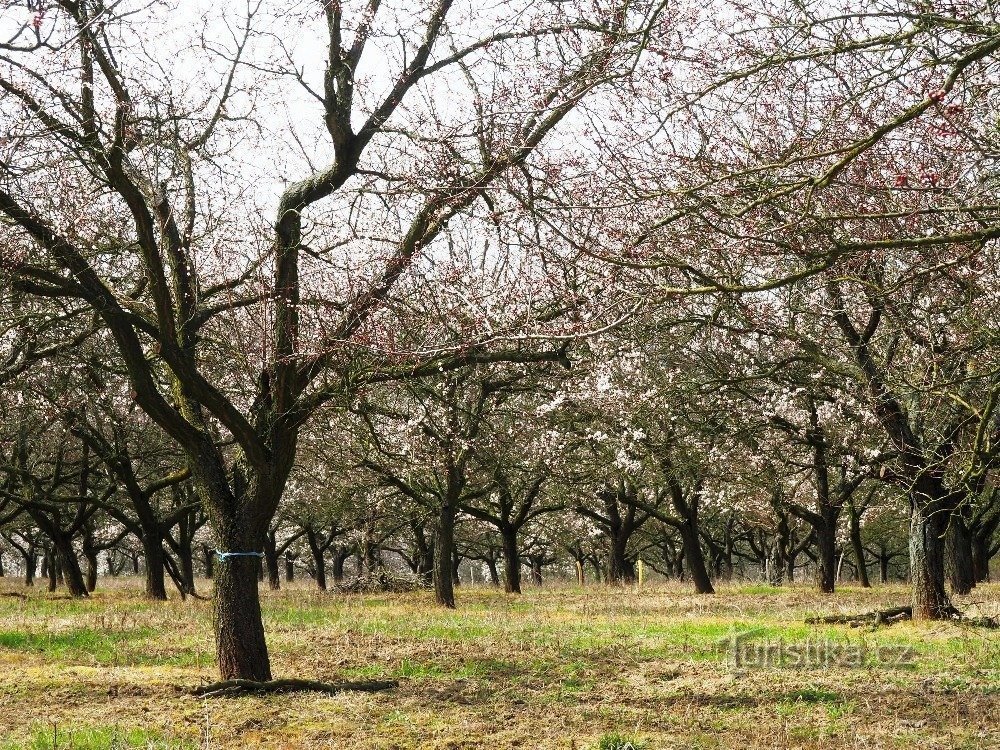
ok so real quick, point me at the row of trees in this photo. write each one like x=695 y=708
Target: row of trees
x=555 y=271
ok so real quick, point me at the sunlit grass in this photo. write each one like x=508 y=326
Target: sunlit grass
x=555 y=666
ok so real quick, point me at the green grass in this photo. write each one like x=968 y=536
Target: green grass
x=554 y=668
x=617 y=741
x=96 y=738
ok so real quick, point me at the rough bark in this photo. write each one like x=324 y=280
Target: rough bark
x=152 y=548
x=696 y=559
x=511 y=562
x=240 y=644
x=444 y=545
x=958 y=546
x=927 y=562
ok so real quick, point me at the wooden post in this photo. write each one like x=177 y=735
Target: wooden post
x=642 y=573
x=579 y=572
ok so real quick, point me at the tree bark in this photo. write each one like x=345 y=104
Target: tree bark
x=239 y=627
x=695 y=559
x=271 y=560
x=859 y=549
x=70 y=564
x=91 y=581
x=981 y=559
x=620 y=568
x=491 y=565
x=958 y=545
x=30 y=568
x=927 y=529
x=152 y=548
x=511 y=562
x=340 y=556
x=444 y=545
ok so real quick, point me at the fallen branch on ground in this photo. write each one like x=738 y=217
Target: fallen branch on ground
x=230 y=688
x=878 y=617
x=898 y=614
x=13 y=594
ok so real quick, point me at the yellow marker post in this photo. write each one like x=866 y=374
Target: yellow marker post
x=642 y=573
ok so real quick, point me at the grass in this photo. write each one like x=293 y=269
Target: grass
x=559 y=667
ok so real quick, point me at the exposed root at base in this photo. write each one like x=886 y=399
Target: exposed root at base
x=898 y=614
x=232 y=688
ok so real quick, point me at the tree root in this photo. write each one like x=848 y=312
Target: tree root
x=231 y=688
x=898 y=614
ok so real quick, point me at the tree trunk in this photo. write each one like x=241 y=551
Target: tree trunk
x=70 y=565
x=271 y=560
x=239 y=627
x=511 y=562
x=620 y=569
x=859 y=550
x=444 y=546
x=958 y=545
x=319 y=562
x=49 y=567
x=91 y=581
x=927 y=529
x=30 y=568
x=185 y=555
x=695 y=559
x=152 y=548
x=981 y=558
x=340 y=557
x=289 y=568
x=491 y=565
x=826 y=542
x=536 y=570
x=208 y=560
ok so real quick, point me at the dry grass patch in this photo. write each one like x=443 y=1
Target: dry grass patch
x=559 y=667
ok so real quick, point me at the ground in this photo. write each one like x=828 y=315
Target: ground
x=558 y=667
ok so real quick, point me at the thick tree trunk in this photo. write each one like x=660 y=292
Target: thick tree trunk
x=444 y=546
x=30 y=568
x=70 y=564
x=958 y=545
x=511 y=562
x=319 y=565
x=981 y=558
x=340 y=557
x=695 y=559
x=425 y=566
x=239 y=627
x=883 y=568
x=208 y=561
x=152 y=549
x=927 y=555
x=91 y=581
x=289 y=568
x=620 y=568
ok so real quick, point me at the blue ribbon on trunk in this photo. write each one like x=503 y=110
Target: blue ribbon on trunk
x=223 y=556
